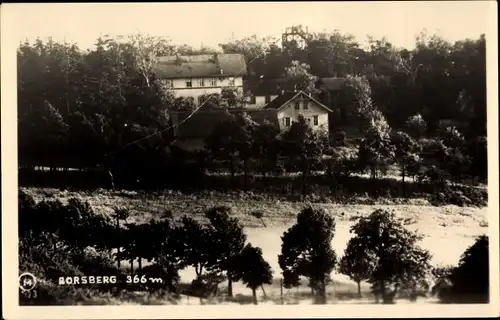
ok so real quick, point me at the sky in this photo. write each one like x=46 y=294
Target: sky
x=213 y=23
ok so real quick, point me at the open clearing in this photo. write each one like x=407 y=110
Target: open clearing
x=447 y=231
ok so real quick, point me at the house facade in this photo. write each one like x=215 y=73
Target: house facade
x=290 y=105
x=199 y=75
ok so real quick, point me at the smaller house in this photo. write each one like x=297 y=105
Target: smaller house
x=330 y=89
x=191 y=129
x=290 y=105
x=263 y=91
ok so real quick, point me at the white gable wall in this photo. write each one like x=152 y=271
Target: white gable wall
x=313 y=109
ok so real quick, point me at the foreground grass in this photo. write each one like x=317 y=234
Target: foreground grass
x=275 y=212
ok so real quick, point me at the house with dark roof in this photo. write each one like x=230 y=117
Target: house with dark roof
x=191 y=129
x=263 y=91
x=198 y=75
x=289 y=105
x=330 y=89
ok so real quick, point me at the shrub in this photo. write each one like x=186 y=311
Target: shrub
x=434 y=176
x=169 y=275
x=340 y=138
x=470 y=279
x=341 y=164
x=416 y=126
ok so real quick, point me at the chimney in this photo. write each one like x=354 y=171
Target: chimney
x=282 y=91
x=221 y=71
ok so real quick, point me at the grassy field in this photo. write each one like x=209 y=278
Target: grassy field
x=447 y=230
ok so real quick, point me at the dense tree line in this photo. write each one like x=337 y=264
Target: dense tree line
x=57 y=239
x=104 y=109
x=438 y=79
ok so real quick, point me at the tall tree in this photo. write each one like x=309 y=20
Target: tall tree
x=229 y=239
x=304 y=148
x=254 y=270
x=393 y=253
x=265 y=146
x=306 y=249
x=375 y=150
x=355 y=263
x=299 y=76
x=406 y=154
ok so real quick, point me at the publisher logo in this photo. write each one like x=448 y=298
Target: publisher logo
x=27 y=282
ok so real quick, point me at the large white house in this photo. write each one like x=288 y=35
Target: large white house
x=198 y=75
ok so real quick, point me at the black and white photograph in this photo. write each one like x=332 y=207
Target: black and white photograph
x=243 y=154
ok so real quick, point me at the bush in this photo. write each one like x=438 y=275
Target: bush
x=460 y=196
x=433 y=176
x=470 y=279
x=341 y=164
x=340 y=138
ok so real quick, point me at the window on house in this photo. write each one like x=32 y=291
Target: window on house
x=252 y=99
x=268 y=99
x=297 y=105
x=189 y=83
x=306 y=105
x=309 y=120
x=315 y=120
x=231 y=82
x=287 y=121
x=201 y=82
x=213 y=82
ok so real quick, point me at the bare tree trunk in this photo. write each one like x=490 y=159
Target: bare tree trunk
x=131 y=265
x=304 y=191
x=281 y=291
x=254 y=295
x=118 y=242
x=230 y=287
x=323 y=289
x=359 y=289
x=245 y=174
x=232 y=171
x=111 y=179
x=140 y=263
x=403 y=180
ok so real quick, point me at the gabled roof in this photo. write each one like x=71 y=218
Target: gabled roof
x=204 y=65
x=286 y=97
x=201 y=124
x=333 y=84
